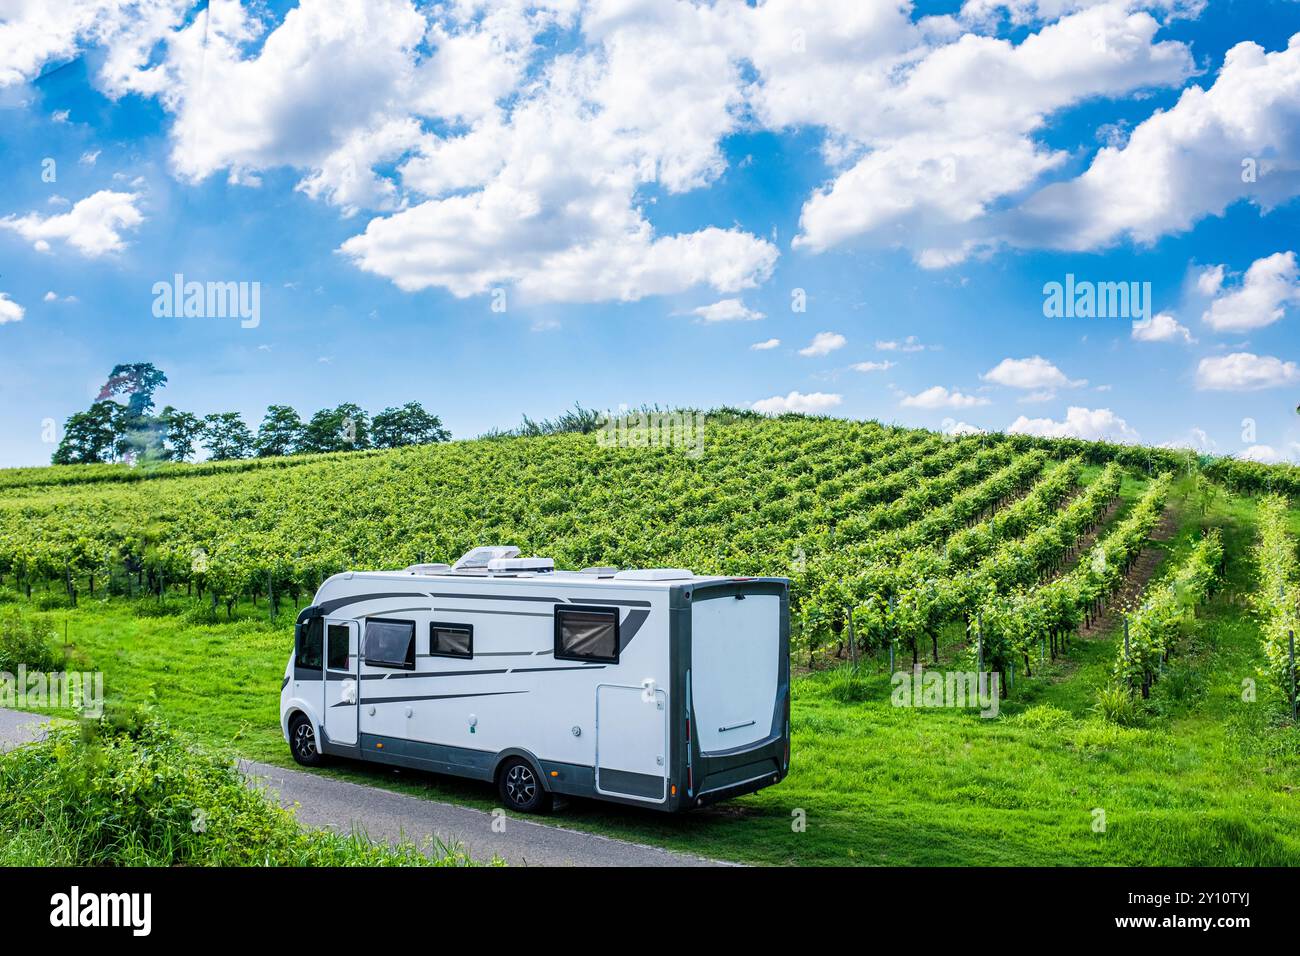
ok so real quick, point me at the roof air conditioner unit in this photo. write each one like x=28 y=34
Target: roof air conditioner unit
x=521 y=564
x=476 y=559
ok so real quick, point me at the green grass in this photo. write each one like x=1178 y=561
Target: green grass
x=127 y=790
x=1204 y=778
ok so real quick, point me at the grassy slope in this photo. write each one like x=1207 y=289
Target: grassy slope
x=1207 y=779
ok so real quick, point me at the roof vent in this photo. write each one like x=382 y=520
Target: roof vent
x=654 y=574
x=428 y=568
x=600 y=572
x=476 y=559
x=521 y=564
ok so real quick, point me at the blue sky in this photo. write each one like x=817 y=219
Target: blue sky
x=387 y=172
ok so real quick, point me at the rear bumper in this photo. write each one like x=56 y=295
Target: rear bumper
x=726 y=775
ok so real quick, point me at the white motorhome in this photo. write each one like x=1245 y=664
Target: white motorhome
x=656 y=688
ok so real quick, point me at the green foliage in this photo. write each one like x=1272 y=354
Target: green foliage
x=226 y=436
x=131 y=792
x=408 y=425
x=1277 y=597
x=847 y=687
x=1156 y=625
x=1115 y=704
x=26 y=641
x=280 y=432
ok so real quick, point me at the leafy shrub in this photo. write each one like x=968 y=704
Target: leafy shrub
x=847 y=687
x=1116 y=705
x=126 y=790
x=26 y=641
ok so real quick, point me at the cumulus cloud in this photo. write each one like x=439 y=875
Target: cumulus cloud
x=10 y=311
x=955 y=428
x=940 y=397
x=1035 y=372
x=873 y=366
x=932 y=131
x=1100 y=424
x=1173 y=170
x=1198 y=440
x=1161 y=327
x=797 y=402
x=727 y=310
x=1265 y=454
x=93 y=226
x=766 y=345
x=494 y=156
x=1268 y=287
x=823 y=343
x=1245 y=372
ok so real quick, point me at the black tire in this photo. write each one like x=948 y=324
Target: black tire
x=520 y=786
x=302 y=742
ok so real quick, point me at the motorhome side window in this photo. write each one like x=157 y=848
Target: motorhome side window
x=586 y=634
x=451 y=640
x=390 y=643
x=336 y=641
x=307 y=656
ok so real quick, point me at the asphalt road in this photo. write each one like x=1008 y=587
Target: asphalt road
x=383 y=815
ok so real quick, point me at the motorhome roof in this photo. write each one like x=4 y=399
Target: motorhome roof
x=530 y=577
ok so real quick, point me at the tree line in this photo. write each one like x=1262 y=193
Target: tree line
x=115 y=430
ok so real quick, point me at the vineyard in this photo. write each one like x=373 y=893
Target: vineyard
x=1072 y=570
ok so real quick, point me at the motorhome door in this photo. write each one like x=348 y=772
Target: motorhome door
x=632 y=742
x=340 y=683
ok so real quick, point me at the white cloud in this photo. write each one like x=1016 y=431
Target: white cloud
x=797 y=402
x=766 y=345
x=940 y=397
x=1269 y=286
x=1161 y=327
x=909 y=344
x=1245 y=372
x=955 y=428
x=497 y=156
x=93 y=226
x=930 y=132
x=1184 y=163
x=51 y=297
x=1198 y=439
x=1100 y=424
x=10 y=311
x=1035 y=372
x=89 y=157
x=727 y=310
x=1210 y=280
x=873 y=366
x=1266 y=454
x=823 y=343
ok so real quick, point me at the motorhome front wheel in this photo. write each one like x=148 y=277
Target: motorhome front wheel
x=302 y=741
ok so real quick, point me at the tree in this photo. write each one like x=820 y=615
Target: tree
x=226 y=436
x=346 y=428
x=180 y=431
x=408 y=425
x=281 y=432
x=138 y=381
x=91 y=436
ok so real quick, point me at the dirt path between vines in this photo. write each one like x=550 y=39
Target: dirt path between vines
x=1148 y=562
